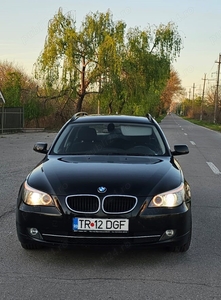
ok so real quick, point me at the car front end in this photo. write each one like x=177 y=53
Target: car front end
x=114 y=196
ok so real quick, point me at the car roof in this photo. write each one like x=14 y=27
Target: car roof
x=112 y=118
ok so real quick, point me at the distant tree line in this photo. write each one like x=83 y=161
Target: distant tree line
x=99 y=68
x=201 y=107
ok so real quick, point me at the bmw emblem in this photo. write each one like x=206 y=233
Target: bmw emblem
x=102 y=189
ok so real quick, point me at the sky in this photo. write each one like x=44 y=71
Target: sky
x=24 y=23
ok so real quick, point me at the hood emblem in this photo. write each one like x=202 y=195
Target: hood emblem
x=102 y=189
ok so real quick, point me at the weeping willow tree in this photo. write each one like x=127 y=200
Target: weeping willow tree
x=125 y=70
x=75 y=61
x=145 y=71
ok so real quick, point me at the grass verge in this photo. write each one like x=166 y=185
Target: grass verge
x=212 y=126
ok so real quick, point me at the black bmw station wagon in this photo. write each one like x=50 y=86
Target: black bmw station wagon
x=106 y=181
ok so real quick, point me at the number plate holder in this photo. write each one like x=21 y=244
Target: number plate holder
x=100 y=225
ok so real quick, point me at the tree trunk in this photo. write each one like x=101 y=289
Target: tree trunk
x=121 y=106
x=110 y=110
x=79 y=103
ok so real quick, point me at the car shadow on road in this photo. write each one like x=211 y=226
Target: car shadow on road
x=107 y=257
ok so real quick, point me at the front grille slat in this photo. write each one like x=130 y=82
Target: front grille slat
x=111 y=204
x=118 y=204
x=83 y=203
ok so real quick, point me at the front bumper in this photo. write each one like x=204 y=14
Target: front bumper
x=145 y=229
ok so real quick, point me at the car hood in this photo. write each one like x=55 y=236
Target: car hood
x=140 y=176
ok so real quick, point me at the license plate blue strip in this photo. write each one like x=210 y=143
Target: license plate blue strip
x=75 y=223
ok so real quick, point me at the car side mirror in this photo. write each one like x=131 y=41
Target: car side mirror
x=41 y=147
x=180 y=150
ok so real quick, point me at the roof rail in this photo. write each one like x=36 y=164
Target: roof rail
x=149 y=117
x=79 y=114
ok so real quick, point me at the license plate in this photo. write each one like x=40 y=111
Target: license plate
x=108 y=225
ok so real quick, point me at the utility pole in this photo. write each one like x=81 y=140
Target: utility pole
x=98 y=103
x=193 y=93
x=189 y=93
x=204 y=84
x=3 y=102
x=216 y=99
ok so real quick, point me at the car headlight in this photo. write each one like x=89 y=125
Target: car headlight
x=35 y=197
x=170 y=198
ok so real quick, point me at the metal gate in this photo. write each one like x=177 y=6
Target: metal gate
x=11 y=118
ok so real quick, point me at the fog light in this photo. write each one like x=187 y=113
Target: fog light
x=33 y=231
x=170 y=232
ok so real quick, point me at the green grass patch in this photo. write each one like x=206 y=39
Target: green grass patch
x=212 y=126
x=160 y=118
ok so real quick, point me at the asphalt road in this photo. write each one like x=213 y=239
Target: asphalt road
x=117 y=274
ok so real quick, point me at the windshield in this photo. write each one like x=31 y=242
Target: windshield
x=109 y=139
